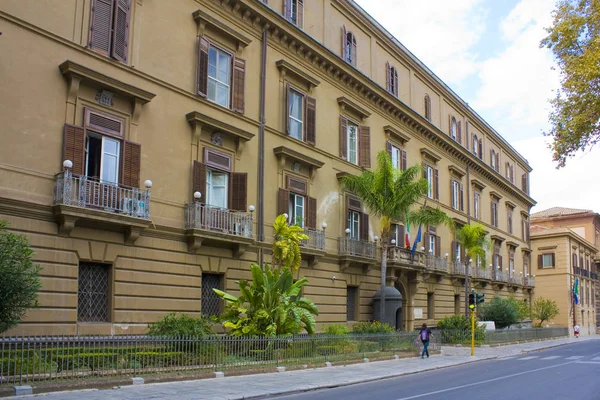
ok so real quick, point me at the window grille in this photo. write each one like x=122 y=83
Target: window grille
x=210 y=300
x=92 y=293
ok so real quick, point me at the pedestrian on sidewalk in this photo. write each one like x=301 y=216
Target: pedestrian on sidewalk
x=576 y=329
x=425 y=335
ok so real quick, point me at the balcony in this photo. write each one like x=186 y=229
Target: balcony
x=359 y=252
x=404 y=257
x=529 y=281
x=458 y=268
x=435 y=263
x=219 y=227
x=314 y=247
x=481 y=273
x=515 y=280
x=85 y=201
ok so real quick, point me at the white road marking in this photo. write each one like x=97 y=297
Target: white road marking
x=507 y=358
x=588 y=362
x=574 y=358
x=550 y=358
x=596 y=359
x=486 y=381
x=528 y=358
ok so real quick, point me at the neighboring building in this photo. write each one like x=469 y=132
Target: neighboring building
x=586 y=224
x=561 y=257
x=137 y=159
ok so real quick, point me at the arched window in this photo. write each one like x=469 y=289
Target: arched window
x=475 y=144
x=349 y=47
x=453 y=128
x=391 y=79
x=493 y=160
x=427 y=102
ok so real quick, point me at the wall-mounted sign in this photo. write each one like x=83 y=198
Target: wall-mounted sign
x=418 y=313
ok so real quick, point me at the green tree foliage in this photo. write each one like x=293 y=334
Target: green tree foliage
x=504 y=312
x=573 y=38
x=372 y=327
x=458 y=322
x=473 y=238
x=544 y=310
x=286 y=249
x=174 y=324
x=391 y=195
x=19 y=280
x=522 y=308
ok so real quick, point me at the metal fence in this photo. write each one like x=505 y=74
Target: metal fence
x=455 y=336
x=36 y=359
x=316 y=239
x=359 y=248
x=216 y=219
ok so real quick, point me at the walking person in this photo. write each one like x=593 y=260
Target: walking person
x=425 y=335
x=576 y=329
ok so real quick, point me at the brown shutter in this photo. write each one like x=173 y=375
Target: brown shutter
x=388 y=80
x=311 y=213
x=500 y=261
x=353 y=51
x=453 y=251
x=101 y=26
x=344 y=43
x=343 y=137
x=239 y=85
x=403 y=154
x=461 y=200
x=388 y=147
x=459 y=132
x=481 y=149
x=202 y=66
x=498 y=161
x=300 y=13
x=365 y=146
x=120 y=43
x=449 y=125
x=424 y=166
x=452 y=193
x=436 y=183
x=395 y=78
x=199 y=180
x=438 y=246
x=492 y=213
x=311 y=120
x=286 y=112
x=426 y=239
x=287 y=9
x=467 y=135
x=401 y=230
x=239 y=191
x=132 y=159
x=364 y=227
x=283 y=202
x=74 y=147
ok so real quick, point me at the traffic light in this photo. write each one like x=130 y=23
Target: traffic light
x=471 y=301
x=479 y=298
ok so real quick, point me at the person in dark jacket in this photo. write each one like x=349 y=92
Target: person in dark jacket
x=425 y=335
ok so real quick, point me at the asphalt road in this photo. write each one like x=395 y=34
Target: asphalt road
x=566 y=372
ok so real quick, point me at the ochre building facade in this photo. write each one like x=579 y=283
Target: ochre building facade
x=148 y=146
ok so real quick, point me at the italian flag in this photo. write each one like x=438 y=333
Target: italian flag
x=407 y=235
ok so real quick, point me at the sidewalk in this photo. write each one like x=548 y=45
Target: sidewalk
x=249 y=386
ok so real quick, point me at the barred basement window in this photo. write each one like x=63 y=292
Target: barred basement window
x=92 y=294
x=351 y=303
x=211 y=303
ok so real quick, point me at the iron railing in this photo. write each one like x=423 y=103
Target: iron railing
x=482 y=273
x=458 y=268
x=316 y=239
x=529 y=281
x=456 y=336
x=358 y=248
x=25 y=360
x=405 y=256
x=86 y=192
x=515 y=279
x=501 y=276
x=436 y=263
x=216 y=219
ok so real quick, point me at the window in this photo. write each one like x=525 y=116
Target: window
x=219 y=76
x=352 y=303
x=509 y=219
x=432 y=177
x=526 y=270
x=475 y=145
x=93 y=293
x=397 y=233
x=509 y=172
x=458 y=252
x=476 y=198
x=211 y=303
x=296 y=211
x=494 y=213
x=493 y=160
x=109 y=28
x=457 y=195
x=453 y=128
x=546 y=260
x=511 y=261
x=432 y=242
x=354 y=224
x=295 y=114
x=102 y=158
x=355 y=143
x=397 y=155
x=217 y=183
x=430 y=306
x=349 y=47
x=352 y=143
x=427 y=101
x=293 y=11
x=391 y=79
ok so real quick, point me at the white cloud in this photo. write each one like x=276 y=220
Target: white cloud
x=440 y=33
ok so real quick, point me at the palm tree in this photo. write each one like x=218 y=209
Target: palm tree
x=473 y=238
x=391 y=195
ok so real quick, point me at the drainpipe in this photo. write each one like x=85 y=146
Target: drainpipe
x=467 y=263
x=261 y=145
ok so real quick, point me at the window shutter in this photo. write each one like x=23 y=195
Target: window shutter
x=497 y=161
x=286 y=113
x=388 y=147
x=388 y=81
x=553 y=260
x=132 y=154
x=395 y=78
x=401 y=230
x=311 y=213
x=524 y=182
x=480 y=149
x=403 y=154
x=300 y=13
x=452 y=193
x=199 y=179
x=287 y=9
x=512 y=173
x=426 y=238
x=239 y=191
x=120 y=43
x=202 y=66
x=365 y=146
x=353 y=50
x=343 y=137
x=462 y=203
x=311 y=120
x=283 y=202
x=500 y=261
x=344 y=43
x=74 y=147
x=459 y=133
x=424 y=166
x=102 y=123
x=453 y=251
x=364 y=227
x=239 y=85
x=449 y=125
x=101 y=26
x=438 y=246
x=467 y=134
x=436 y=184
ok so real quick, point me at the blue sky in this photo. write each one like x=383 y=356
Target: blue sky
x=488 y=52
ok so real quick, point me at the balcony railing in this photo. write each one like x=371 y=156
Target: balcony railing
x=501 y=276
x=516 y=279
x=216 y=219
x=481 y=273
x=86 y=192
x=436 y=263
x=358 y=248
x=529 y=281
x=316 y=239
x=404 y=256
x=458 y=268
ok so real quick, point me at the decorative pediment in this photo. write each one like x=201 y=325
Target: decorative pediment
x=510 y=243
x=203 y=19
x=497 y=195
x=456 y=172
x=477 y=184
x=497 y=238
x=342 y=174
x=287 y=68
x=283 y=153
x=395 y=134
x=347 y=105
x=430 y=155
x=200 y=122
x=510 y=204
x=524 y=214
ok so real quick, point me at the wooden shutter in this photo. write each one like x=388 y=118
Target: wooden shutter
x=120 y=43
x=239 y=85
x=436 y=184
x=199 y=179
x=101 y=26
x=395 y=80
x=388 y=148
x=524 y=182
x=365 y=146
x=364 y=227
x=500 y=261
x=401 y=233
x=287 y=9
x=283 y=201
x=300 y=13
x=311 y=120
x=74 y=147
x=388 y=81
x=540 y=261
x=286 y=105
x=132 y=159
x=438 y=246
x=343 y=137
x=497 y=161
x=461 y=199
x=344 y=43
x=311 y=213
x=427 y=241
x=453 y=248
x=103 y=123
x=467 y=134
x=459 y=132
x=238 y=191
x=449 y=125
x=480 y=149
x=353 y=51
x=202 y=66
x=403 y=165
x=424 y=166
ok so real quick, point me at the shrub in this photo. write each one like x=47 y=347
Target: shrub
x=544 y=310
x=504 y=312
x=459 y=322
x=337 y=330
x=372 y=327
x=177 y=325
x=456 y=329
